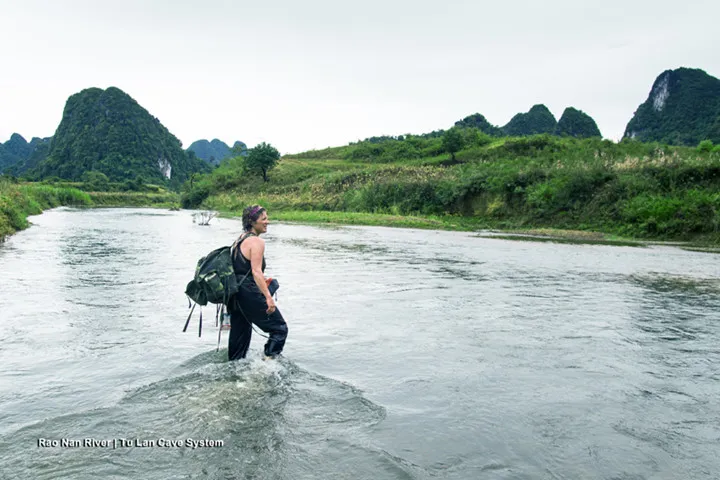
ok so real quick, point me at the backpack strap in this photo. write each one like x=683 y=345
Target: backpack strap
x=187 y=322
x=236 y=245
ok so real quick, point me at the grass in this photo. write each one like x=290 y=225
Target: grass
x=134 y=199
x=359 y=218
x=627 y=190
x=567 y=239
x=19 y=200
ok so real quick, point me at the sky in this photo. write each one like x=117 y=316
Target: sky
x=311 y=74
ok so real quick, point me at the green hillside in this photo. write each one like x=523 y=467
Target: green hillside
x=17 y=155
x=107 y=131
x=630 y=188
x=215 y=151
x=683 y=108
x=536 y=121
x=479 y=122
x=576 y=123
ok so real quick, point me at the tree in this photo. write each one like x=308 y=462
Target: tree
x=705 y=146
x=262 y=159
x=95 y=181
x=452 y=141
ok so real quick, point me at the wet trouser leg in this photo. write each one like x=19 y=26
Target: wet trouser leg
x=240 y=335
x=276 y=328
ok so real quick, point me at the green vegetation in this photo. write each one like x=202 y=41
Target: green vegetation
x=215 y=151
x=536 y=121
x=452 y=142
x=262 y=159
x=575 y=123
x=107 y=131
x=135 y=199
x=17 y=201
x=479 y=122
x=18 y=156
x=560 y=239
x=683 y=108
x=363 y=218
x=547 y=174
x=20 y=199
x=628 y=189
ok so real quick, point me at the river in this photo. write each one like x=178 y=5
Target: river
x=412 y=355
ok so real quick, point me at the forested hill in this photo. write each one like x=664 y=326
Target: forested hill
x=17 y=155
x=683 y=108
x=215 y=151
x=537 y=120
x=107 y=131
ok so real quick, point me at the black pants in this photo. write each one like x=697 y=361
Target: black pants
x=249 y=310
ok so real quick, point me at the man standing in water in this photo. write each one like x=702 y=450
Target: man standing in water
x=253 y=304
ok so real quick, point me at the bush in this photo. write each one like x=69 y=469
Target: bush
x=193 y=197
x=695 y=211
x=705 y=146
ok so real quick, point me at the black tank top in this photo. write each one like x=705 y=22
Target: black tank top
x=241 y=265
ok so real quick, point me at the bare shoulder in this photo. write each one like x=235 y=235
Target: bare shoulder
x=254 y=241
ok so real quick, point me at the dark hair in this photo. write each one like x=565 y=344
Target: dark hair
x=250 y=216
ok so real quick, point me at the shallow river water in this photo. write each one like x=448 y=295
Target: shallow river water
x=411 y=355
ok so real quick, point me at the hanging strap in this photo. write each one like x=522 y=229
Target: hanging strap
x=222 y=309
x=187 y=322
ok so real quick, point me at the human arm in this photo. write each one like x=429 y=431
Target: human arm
x=257 y=250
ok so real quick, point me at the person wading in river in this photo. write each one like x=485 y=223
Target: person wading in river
x=253 y=304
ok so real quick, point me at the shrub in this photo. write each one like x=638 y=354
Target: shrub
x=705 y=146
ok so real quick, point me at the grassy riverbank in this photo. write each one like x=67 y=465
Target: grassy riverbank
x=623 y=190
x=20 y=200
x=452 y=223
x=135 y=199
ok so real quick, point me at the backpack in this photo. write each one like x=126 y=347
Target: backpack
x=214 y=282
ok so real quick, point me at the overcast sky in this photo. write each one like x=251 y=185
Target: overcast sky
x=317 y=73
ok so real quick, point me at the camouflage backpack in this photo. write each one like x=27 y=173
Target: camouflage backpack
x=214 y=282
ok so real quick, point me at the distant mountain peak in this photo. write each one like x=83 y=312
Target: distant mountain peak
x=109 y=132
x=576 y=123
x=18 y=156
x=477 y=120
x=537 y=120
x=214 y=151
x=682 y=108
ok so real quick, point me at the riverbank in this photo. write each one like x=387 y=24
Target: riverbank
x=457 y=223
x=648 y=192
x=20 y=200
x=135 y=199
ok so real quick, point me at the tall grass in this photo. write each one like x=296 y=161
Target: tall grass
x=18 y=201
x=629 y=188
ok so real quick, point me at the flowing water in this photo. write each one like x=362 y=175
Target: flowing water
x=412 y=355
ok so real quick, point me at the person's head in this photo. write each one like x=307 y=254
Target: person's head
x=255 y=219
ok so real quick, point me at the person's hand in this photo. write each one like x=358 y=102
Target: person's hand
x=270 y=304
